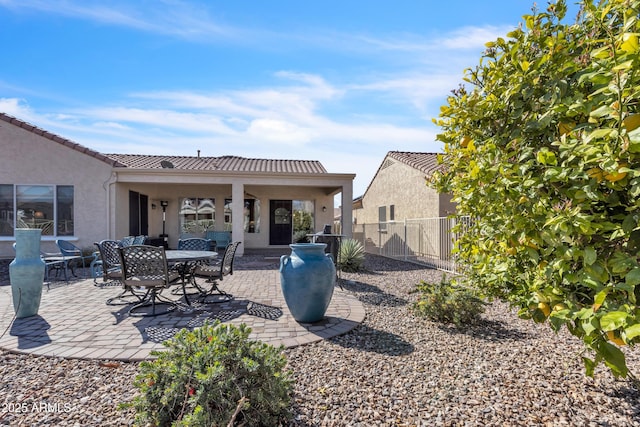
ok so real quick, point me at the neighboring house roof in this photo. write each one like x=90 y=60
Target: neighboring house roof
x=426 y=163
x=222 y=163
x=60 y=140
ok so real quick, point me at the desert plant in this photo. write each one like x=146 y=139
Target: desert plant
x=448 y=303
x=351 y=255
x=214 y=375
x=300 y=236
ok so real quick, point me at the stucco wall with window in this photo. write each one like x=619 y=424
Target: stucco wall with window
x=402 y=189
x=30 y=159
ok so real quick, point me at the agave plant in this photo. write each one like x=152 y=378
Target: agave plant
x=351 y=255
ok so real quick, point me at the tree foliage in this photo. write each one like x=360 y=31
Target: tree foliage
x=542 y=150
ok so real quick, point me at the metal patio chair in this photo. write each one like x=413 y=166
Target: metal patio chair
x=71 y=253
x=194 y=244
x=216 y=272
x=146 y=266
x=112 y=273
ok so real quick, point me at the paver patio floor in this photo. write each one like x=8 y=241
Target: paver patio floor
x=74 y=322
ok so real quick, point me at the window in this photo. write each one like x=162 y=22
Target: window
x=227 y=215
x=392 y=212
x=251 y=215
x=197 y=215
x=251 y=223
x=382 y=218
x=47 y=207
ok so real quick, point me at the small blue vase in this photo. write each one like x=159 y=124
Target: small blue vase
x=26 y=272
x=307 y=278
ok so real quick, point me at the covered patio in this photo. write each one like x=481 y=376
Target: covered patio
x=74 y=321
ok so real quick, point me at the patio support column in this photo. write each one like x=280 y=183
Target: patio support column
x=237 y=215
x=111 y=211
x=347 y=209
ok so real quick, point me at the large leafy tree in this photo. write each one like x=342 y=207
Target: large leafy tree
x=542 y=151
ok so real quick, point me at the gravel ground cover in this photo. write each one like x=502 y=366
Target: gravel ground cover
x=395 y=369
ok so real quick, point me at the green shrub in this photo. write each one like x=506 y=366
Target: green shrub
x=301 y=236
x=214 y=375
x=351 y=255
x=448 y=303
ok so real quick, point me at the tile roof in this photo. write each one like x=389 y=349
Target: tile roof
x=424 y=162
x=222 y=163
x=60 y=140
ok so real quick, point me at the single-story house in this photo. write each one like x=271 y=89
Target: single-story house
x=400 y=216
x=74 y=193
x=399 y=191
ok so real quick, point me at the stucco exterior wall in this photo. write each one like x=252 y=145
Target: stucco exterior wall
x=447 y=205
x=28 y=158
x=404 y=187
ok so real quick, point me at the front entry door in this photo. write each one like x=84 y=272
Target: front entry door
x=280 y=220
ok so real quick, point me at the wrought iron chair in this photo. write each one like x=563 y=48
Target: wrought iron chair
x=146 y=266
x=194 y=244
x=216 y=272
x=112 y=273
x=133 y=240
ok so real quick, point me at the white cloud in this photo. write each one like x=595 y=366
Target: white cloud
x=160 y=119
x=112 y=125
x=277 y=131
x=181 y=19
x=15 y=107
x=473 y=37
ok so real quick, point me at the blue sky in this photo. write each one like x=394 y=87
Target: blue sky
x=342 y=82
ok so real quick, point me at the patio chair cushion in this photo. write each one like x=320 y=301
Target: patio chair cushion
x=222 y=238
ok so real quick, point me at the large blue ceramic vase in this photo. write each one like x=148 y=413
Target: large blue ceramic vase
x=307 y=277
x=26 y=272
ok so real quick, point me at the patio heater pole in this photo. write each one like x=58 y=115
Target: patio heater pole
x=165 y=238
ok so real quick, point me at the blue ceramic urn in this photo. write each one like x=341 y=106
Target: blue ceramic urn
x=26 y=272
x=308 y=278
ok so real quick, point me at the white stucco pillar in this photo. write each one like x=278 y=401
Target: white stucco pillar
x=111 y=208
x=237 y=215
x=347 y=209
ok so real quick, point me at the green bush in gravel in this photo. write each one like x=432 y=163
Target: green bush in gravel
x=448 y=303
x=351 y=255
x=300 y=236
x=214 y=376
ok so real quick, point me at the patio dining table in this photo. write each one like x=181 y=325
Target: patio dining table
x=186 y=261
